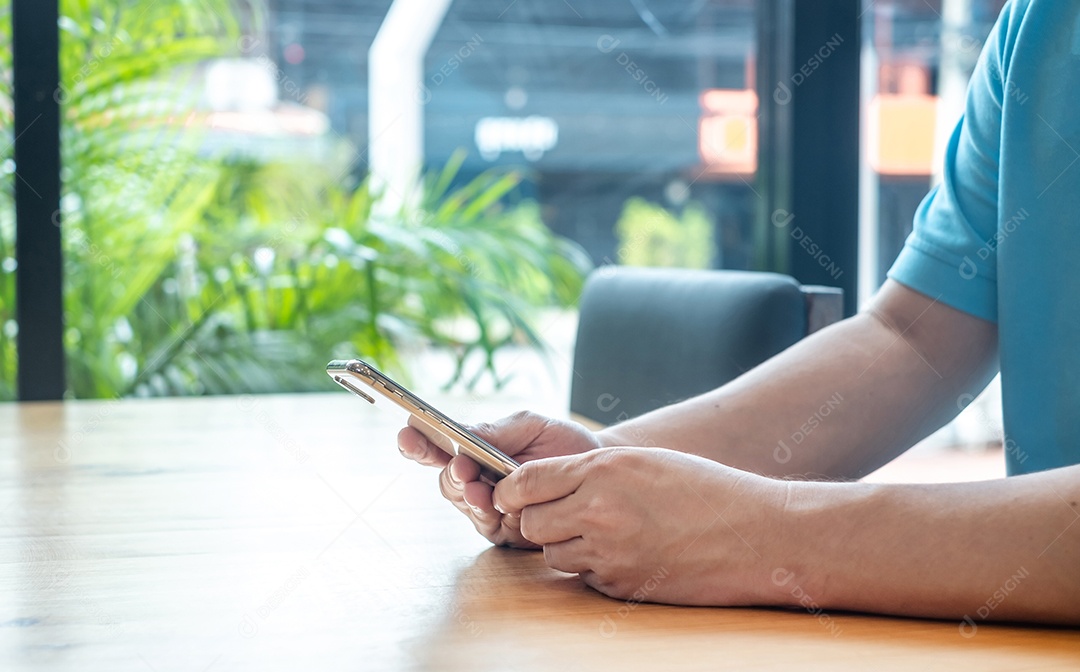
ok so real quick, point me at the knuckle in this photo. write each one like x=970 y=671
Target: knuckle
x=609 y=580
x=446 y=487
x=525 y=524
x=603 y=559
x=603 y=462
x=597 y=579
x=525 y=418
x=527 y=476
x=522 y=416
x=504 y=533
x=550 y=558
x=484 y=430
x=611 y=461
x=492 y=533
x=620 y=589
x=595 y=512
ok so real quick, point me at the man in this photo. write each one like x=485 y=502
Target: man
x=990 y=274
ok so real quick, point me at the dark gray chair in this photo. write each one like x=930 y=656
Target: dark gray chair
x=650 y=337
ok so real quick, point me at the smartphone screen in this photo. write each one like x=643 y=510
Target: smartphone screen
x=368 y=383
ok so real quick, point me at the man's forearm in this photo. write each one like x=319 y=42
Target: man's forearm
x=838 y=404
x=996 y=550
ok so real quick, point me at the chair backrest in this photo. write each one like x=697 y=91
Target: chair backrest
x=650 y=337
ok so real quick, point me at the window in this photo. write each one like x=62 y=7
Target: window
x=598 y=103
x=209 y=198
x=917 y=59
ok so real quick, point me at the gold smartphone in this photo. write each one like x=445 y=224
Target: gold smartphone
x=357 y=376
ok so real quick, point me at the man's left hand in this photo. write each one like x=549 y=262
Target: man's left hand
x=652 y=525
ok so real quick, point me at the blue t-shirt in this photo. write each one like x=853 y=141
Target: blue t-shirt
x=1000 y=237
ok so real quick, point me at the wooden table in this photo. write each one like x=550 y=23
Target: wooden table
x=266 y=533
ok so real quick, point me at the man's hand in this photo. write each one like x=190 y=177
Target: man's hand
x=652 y=524
x=524 y=436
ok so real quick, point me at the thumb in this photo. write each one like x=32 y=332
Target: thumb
x=513 y=433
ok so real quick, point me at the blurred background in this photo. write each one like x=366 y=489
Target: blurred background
x=251 y=188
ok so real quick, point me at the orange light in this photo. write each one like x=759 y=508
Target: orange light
x=901 y=133
x=727 y=131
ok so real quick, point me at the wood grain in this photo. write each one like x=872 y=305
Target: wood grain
x=281 y=533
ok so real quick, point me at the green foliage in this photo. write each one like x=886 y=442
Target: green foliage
x=7 y=286
x=649 y=235
x=336 y=281
x=7 y=213
x=135 y=185
x=188 y=273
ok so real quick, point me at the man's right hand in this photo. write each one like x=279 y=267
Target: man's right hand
x=524 y=436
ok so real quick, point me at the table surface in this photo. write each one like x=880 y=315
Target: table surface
x=285 y=532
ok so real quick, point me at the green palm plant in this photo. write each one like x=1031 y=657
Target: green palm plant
x=464 y=255
x=135 y=183
x=188 y=273
x=494 y=264
x=345 y=282
x=7 y=214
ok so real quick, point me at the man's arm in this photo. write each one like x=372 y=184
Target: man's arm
x=670 y=527
x=1007 y=549
x=840 y=403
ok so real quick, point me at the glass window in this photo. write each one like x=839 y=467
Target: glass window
x=242 y=211
x=917 y=59
x=634 y=122
x=631 y=125
x=635 y=112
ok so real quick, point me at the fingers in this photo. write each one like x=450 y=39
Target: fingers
x=539 y=481
x=569 y=556
x=552 y=522
x=416 y=447
x=458 y=483
x=477 y=496
x=453 y=478
x=462 y=470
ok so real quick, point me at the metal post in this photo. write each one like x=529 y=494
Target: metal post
x=809 y=154
x=775 y=38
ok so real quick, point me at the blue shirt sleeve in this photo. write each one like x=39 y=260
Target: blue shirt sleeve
x=951 y=255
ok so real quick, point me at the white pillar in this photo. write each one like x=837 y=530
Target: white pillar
x=396 y=99
x=957 y=58
x=869 y=184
